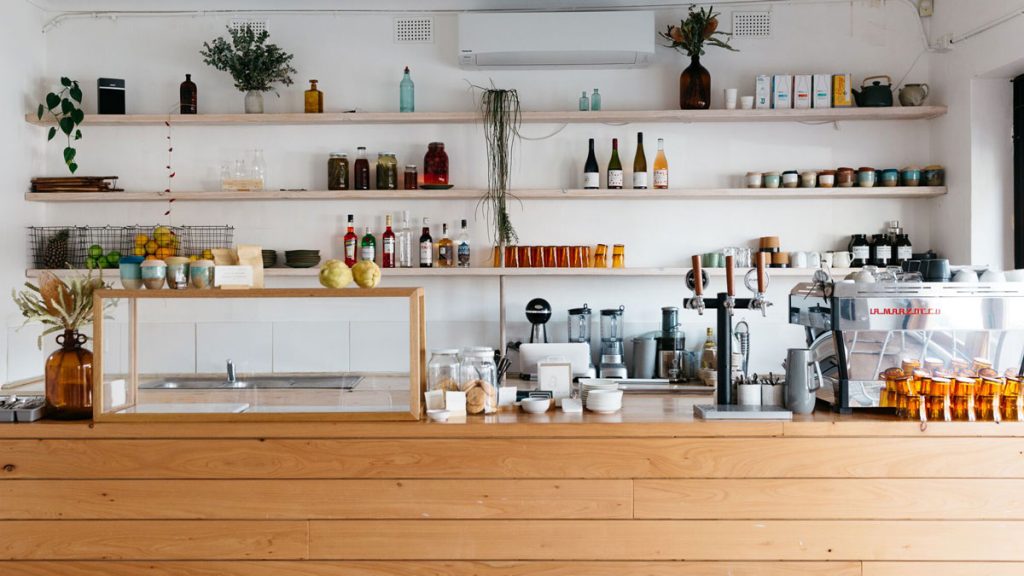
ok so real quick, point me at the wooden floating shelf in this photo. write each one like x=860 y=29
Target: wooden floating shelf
x=526 y=194
x=550 y=117
x=499 y=272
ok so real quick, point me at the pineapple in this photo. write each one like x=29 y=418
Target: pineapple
x=55 y=253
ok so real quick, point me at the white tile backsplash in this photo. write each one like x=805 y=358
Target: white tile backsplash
x=167 y=348
x=379 y=346
x=250 y=345
x=311 y=346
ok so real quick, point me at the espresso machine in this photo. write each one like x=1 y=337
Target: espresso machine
x=613 y=363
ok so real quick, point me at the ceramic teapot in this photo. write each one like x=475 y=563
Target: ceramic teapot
x=913 y=94
x=876 y=95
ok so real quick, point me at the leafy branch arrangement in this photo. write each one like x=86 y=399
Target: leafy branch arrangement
x=502 y=118
x=65 y=107
x=700 y=26
x=59 y=305
x=253 y=64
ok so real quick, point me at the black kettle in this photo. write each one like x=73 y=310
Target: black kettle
x=877 y=95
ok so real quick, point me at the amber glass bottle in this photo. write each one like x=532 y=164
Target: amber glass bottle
x=188 y=93
x=69 y=379
x=314 y=99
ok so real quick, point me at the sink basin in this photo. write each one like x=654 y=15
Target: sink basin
x=255 y=382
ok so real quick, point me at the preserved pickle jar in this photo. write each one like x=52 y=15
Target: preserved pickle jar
x=478 y=378
x=337 y=172
x=387 y=171
x=435 y=165
x=443 y=371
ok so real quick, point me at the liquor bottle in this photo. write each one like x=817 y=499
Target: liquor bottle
x=351 y=240
x=462 y=241
x=368 y=247
x=445 y=249
x=188 y=96
x=314 y=99
x=584 y=102
x=640 y=164
x=406 y=93
x=591 y=172
x=361 y=170
x=615 y=167
x=387 y=240
x=709 y=355
x=426 y=246
x=404 y=242
x=661 y=166
x=595 y=101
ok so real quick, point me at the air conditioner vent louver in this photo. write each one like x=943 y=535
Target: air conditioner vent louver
x=419 y=30
x=257 y=24
x=752 y=24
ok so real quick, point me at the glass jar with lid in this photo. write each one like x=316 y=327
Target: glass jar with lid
x=337 y=171
x=435 y=165
x=411 y=180
x=478 y=378
x=443 y=371
x=387 y=171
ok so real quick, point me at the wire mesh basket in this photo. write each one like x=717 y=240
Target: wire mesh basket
x=70 y=246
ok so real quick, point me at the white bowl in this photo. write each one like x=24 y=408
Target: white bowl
x=965 y=276
x=438 y=415
x=535 y=405
x=993 y=277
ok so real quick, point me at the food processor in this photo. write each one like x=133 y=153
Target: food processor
x=612 y=351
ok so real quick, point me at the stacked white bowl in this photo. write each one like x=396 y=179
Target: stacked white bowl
x=604 y=401
x=589 y=384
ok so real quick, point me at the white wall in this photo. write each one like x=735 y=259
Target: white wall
x=359 y=68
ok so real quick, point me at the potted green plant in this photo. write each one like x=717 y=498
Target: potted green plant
x=65 y=106
x=699 y=28
x=66 y=307
x=501 y=118
x=254 y=65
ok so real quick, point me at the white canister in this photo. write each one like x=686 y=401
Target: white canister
x=754 y=180
x=798 y=259
x=748 y=394
x=772 y=395
x=827 y=259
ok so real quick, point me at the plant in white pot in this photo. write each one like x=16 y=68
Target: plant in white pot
x=254 y=65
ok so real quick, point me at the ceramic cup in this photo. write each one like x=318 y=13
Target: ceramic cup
x=177 y=272
x=798 y=260
x=826 y=178
x=911 y=176
x=754 y=180
x=771 y=179
x=771 y=395
x=748 y=394
x=153 y=274
x=828 y=259
x=201 y=274
x=866 y=177
x=808 y=179
x=1015 y=275
x=747 y=102
x=842 y=259
x=889 y=177
x=731 y=94
x=813 y=260
x=131 y=272
x=933 y=175
x=844 y=177
x=965 y=276
x=993 y=277
x=790 y=179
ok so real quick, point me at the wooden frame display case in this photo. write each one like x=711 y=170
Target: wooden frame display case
x=354 y=341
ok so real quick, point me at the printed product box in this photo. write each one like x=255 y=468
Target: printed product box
x=802 y=91
x=763 y=91
x=782 y=91
x=842 y=84
x=821 y=90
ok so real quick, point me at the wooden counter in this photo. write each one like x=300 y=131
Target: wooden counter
x=637 y=493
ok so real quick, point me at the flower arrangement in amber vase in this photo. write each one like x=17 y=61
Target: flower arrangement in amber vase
x=698 y=29
x=66 y=307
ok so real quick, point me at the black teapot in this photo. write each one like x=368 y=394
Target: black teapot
x=877 y=95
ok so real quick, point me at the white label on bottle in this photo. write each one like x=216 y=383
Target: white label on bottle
x=350 y=250
x=591 y=180
x=639 y=179
x=661 y=178
x=905 y=252
x=861 y=252
x=883 y=252
x=615 y=178
x=367 y=253
x=426 y=252
x=389 y=246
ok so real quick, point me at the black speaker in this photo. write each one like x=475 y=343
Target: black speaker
x=110 y=95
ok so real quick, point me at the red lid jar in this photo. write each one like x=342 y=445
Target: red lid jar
x=435 y=165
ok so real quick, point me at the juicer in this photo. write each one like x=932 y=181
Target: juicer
x=612 y=352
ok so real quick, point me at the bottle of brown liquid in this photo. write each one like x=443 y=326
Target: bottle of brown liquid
x=314 y=99
x=188 y=96
x=361 y=171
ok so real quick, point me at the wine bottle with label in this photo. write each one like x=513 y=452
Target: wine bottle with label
x=661 y=166
x=591 y=172
x=387 y=259
x=615 y=167
x=351 y=241
x=426 y=246
x=368 y=247
x=445 y=249
x=640 y=163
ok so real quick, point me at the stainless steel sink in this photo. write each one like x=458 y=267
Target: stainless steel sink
x=255 y=382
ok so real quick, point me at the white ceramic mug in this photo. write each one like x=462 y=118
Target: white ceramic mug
x=842 y=259
x=754 y=179
x=1015 y=275
x=730 y=98
x=993 y=277
x=772 y=395
x=748 y=394
x=827 y=259
x=965 y=276
x=747 y=102
x=798 y=259
x=813 y=260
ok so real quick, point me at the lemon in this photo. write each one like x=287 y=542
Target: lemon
x=141 y=239
x=151 y=247
x=139 y=251
x=162 y=235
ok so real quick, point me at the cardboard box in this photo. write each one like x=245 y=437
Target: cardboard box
x=802 y=91
x=842 y=84
x=782 y=91
x=821 y=91
x=763 y=91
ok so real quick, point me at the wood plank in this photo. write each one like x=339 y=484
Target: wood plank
x=357 y=568
x=666 y=540
x=157 y=540
x=305 y=499
x=826 y=499
x=943 y=569
x=516 y=458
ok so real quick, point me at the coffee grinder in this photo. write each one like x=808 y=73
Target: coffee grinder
x=612 y=352
x=538 y=312
x=671 y=347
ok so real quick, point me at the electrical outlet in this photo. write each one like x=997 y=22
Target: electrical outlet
x=925 y=8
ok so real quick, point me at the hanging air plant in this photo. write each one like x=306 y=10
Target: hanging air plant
x=501 y=117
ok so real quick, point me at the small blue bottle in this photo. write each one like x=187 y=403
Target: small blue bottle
x=407 y=93
x=584 y=102
x=595 y=101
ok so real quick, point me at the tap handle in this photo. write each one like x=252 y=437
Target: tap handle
x=730 y=286
x=760 y=273
x=698 y=277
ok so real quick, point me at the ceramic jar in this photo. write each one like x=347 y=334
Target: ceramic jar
x=911 y=176
x=808 y=179
x=771 y=179
x=177 y=272
x=889 y=177
x=933 y=175
x=826 y=178
x=754 y=180
x=153 y=274
x=130 y=268
x=790 y=179
x=844 y=177
x=866 y=177
x=201 y=274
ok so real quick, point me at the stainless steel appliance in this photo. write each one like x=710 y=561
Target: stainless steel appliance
x=856 y=330
x=538 y=312
x=671 y=347
x=803 y=378
x=612 y=351
x=645 y=355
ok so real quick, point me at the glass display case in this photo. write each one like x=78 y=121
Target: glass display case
x=260 y=354
x=893 y=345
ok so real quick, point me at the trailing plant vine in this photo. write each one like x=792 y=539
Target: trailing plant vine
x=65 y=107
x=502 y=118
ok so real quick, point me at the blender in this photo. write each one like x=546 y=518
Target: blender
x=579 y=331
x=612 y=351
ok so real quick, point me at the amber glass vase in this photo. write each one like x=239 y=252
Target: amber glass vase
x=69 y=379
x=695 y=86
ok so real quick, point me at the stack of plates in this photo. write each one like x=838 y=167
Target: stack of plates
x=269 y=258
x=604 y=401
x=589 y=384
x=301 y=258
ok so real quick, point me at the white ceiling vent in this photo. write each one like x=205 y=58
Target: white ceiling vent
x=257 y=24
x=752 y=24
x=415 y=30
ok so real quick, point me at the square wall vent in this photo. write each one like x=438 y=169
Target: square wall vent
x=752 y=24
x=414 y=30
x=257 y=24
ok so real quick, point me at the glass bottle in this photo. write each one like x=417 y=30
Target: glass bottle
x=860 y=250
x=463 y=250
x=426 y=246
x=640 y=164
x=591 y=172
x=337 y=171
x=435 y=165
x=403 y=241
x=361 y=170
x=445 y=249
x=387 y=171
x=69 y=379
x=314 y=99
x=595 y=101
x=709 y=353
x=661 y=167
x=615 y=167
x=368 y=246
x=881 y=250
x=387 y=240
x=411 y=179
x=904 y=249
x=584 y=102
x=406 y=93
x=259 y=169
x=188 y=96
x=351 y=240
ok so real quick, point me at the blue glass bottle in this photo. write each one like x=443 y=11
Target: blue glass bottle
x=407 y=94
x=584 y=102
x=595 y=101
